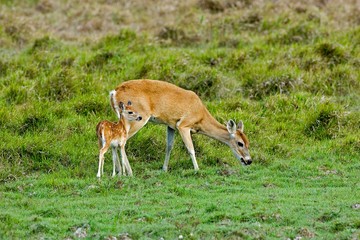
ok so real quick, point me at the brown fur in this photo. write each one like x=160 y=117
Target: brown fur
x=179 y=109
x=115 y=135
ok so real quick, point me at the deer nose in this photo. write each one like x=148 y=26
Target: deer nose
x=139 y=118
x=246 y=161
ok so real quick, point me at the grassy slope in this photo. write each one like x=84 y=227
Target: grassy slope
x=290 y=73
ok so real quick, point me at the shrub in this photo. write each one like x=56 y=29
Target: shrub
x=67 y=62
x=19 y=35
x=236 y=60
x=339 y=80
x=32 y=71
x=3 y=68
x=99 y=60
x=216 y=6
x=125 y=36
x=212 y=5
x=45 y=43
x=4 y=118
x=146 y=146
x=283 y=84
x=204 y=82
x=303 y=32
x=176 y=36
x=59 y=87
x=332 y=53
x=323 y=124
x=15 y=95
x=91 y=107
x=34 y=123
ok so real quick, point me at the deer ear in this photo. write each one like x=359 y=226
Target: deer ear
x=240 y=126
x=129 y=103
x=231 y=126
x=122 y=106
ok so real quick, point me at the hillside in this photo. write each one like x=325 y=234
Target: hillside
x=288 y=69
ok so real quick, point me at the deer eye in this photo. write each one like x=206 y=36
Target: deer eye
x=240 y=144
x=130 y=112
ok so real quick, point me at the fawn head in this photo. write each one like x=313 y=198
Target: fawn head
x=128 y=112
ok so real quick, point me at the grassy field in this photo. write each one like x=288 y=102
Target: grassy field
x=288 y=69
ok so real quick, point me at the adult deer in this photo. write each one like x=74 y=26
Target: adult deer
x=180 y=109
x=114 y=135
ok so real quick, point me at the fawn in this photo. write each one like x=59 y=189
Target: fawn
x=115 y=135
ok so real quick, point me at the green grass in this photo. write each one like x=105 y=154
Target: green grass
x=292 y=77
x=219 y=202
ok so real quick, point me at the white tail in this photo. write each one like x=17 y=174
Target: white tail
x=180 y=109
x=113 y=104
x=114 y=135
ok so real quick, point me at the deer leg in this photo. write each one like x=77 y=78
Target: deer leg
x=101 y=156
x=101 y=161
x=186 y=137
x=126 y=160
x=118 y=165
x=122 y=162
x=169 y=146
x=116 y=162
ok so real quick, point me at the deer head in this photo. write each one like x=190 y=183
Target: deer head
x=239 y=142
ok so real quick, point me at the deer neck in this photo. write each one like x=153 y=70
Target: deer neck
x=123 y=124
x=212 y=128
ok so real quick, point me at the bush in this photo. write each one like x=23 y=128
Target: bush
x=282 y=84
x=15 y=95
x=3 y=68
x=45 y=43
x=203 y=81
x=34 y=123
x=301 y=33
x=217 y=6
x=332 y=53
x=59 y=87
x=176 y=36
x=124 y=37
x=236 y=60
x=92 y=106
x=340 y=80
x=99 y=60
x=324 y=123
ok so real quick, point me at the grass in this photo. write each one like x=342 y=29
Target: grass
x=290 y=73
x=246 y=203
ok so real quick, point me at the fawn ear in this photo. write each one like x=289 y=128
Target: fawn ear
x=122 y=106
x=231 y=126
x=129 y=103
x=240 y=126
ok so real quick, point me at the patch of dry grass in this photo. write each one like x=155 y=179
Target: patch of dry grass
x=23 y=21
